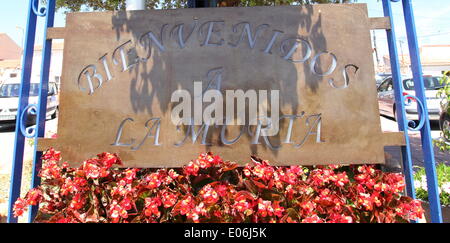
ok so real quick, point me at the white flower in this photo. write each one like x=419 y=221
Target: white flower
x=446 y=187
x=424 y=185
x=417 y=184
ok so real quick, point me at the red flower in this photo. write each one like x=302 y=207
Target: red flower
x=192 y=168
x=78 y=201
x=173 y=174
x=50 y=169
x=308 y=207
x=126 y=203
x=366 y=201
x=256 y=193
x=78 y=184
x=338 y=218
x=312 y=219
x=91 y=169
x=130 y=175
x=196 y=212
x=340 y=179
x=153 y=180
x=265 y=208
x=116 y=212
x=20 y=206
x=243 y=206
x=151 y=207
x=186 y=205
x=209 y=195
x=34 y=196
x=52 y=155
x=169 y=199
x=108 y=160
x=277 y=210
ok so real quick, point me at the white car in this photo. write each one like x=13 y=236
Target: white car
x=386 y=99
x=9 y=100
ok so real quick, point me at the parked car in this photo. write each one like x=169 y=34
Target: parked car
x=444 y=120
x=380 y=77
x=386 y=99
x=9 y=100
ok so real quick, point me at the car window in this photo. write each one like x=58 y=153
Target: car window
x=384 y=86
x=408 y=84
x=389 y=86
x=13 y=90
x=430 y=83
x=52 y=89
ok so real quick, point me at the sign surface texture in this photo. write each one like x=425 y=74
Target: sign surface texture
x=122 y=71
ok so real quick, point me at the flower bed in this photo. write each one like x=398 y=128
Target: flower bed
x=210 y=189
x=443 y=179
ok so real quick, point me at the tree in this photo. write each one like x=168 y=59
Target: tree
x=79 y=5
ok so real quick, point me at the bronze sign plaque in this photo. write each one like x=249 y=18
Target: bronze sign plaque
x=125 y=75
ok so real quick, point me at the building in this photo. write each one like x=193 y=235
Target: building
x=435 y=60
x=10 y=55
x=55 y=64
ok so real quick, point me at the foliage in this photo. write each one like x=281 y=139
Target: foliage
x=210 y=189
x=79 y=5
x=443 y=177
x=443 y=143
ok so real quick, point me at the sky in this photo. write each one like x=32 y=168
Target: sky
x=432 y=22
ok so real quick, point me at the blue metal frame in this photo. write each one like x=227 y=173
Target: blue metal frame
x=424 y=125
x=24 y=108
x=27 y=60
x=49 y=12
x=399 y=104
x=425 y=131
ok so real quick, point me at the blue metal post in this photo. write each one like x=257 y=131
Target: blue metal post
x=27 y=60
x=42 y=100
x=399 y=103
x=427 y=146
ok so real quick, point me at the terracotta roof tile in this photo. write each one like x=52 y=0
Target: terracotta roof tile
x=9 y=50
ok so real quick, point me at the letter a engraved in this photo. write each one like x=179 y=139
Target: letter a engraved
x=214 y=79
x=156 y=125
x=317 y=124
